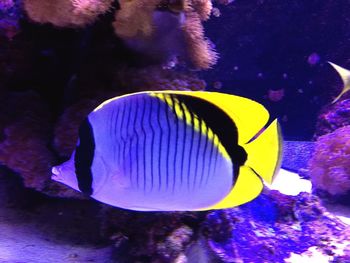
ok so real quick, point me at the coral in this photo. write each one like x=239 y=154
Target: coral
x=135 y=18
x=26 y=152
x=275 y=226
x=158 y=237
x=333 y=117
x=10 y=14
x=133 y=21
x=329 y=167
x=67 y=126
x=25 y=135
x=200 y=50
x=66 y=13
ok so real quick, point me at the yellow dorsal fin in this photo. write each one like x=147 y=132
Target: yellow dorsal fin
x=241 y=110
x=345 y=76
x=247 y=187
x=265 y=152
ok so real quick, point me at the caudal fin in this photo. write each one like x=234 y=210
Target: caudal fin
x=265 y=152
x=345 y=76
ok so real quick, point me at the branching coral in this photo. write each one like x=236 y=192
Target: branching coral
x=330 y=166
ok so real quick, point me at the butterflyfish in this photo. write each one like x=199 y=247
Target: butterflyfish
x=174 y=151
x=345 y=76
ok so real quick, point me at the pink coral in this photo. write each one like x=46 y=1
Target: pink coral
x=330 y=166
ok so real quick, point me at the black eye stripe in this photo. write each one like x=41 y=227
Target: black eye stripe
x=84 y=156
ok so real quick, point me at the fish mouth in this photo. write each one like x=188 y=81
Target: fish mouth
x=55 y=173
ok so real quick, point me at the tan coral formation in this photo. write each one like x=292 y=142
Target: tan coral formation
x=330 y=165
x=66 y=13
x=133 y=20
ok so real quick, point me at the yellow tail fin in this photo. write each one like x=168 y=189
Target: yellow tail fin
x=265 y=152
x=264 y=157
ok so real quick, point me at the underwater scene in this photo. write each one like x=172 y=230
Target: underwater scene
x=174 y=131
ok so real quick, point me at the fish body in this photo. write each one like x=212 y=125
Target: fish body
x=173 y=151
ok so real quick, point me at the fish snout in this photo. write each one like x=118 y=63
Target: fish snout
x=55 y=173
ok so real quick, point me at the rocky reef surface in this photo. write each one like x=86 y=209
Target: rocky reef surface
x=273 y=228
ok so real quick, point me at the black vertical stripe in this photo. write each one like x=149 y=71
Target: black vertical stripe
x=160 y=145
x=117 y=132
x=203 y=156
x=144 y=141
x=183 y=141
x=152 y=140
x=191 y=146
x=216 y=155
x=168 y=146
x=197 y=152
x=111 y=134
x=111 y=121
x=122 y=129
x=135 y=138
x=127 y=137
x=131 y=128
x=176 y=142
x=210 y=159
x=84 y=156
x=137 y=146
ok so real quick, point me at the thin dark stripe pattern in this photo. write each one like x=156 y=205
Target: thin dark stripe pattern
x=134 y=140
x=152 y=141
x=197 y=153
x=176 y=142
x=216 y=155
x=183 y=142
x=210 y=160
x=204 y=155
x=160 y=145
x=168 y=145
x=137 y=143
x=127 y=130
x=116 y=134
x=144 y=141
x=131 y=132
x=191 y=148
x=122 y=136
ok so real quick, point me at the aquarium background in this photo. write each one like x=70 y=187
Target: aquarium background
x=58 y=63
